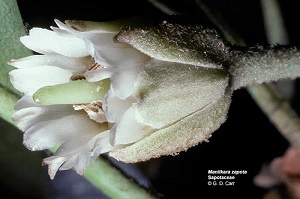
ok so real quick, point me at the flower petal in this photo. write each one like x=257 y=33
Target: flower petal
x=46 y=42
x=98 y=75
x=29 y=80
x=129 y=130
x=26 y=113
x=29 y=113
x=69 y=163
x=92 y=26
x=119 y=55
x=75 y=145
x=54 y=164
x=25 y=102
x=122 y=82
x=78 y=151
x=69 y=63
x=102 y=46
x=25 y=123
x=114 y=107
x=47 y=134
x=102 y=145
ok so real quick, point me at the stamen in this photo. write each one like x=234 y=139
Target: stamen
x=77 y=77
x=94 y=106
x=95 y=66
x=94 y=110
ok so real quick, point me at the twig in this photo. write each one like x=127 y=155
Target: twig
x=277 y=109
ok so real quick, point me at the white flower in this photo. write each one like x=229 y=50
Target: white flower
x=49 y=126
x=99 y=94
x=65 y=56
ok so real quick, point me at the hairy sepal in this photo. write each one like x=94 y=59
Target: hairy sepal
x=187 y=132
x=172 y=42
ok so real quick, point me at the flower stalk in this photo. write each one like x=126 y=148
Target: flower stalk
x=279 y=112
x=277 y=109
x=112 y=182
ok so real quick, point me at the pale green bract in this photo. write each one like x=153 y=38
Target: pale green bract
x=74 y=92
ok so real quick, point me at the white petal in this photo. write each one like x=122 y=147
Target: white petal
x=24 y=102
x=26 y=113
x=102 y=144
x=63 y=26
x=114 y=107
x=90 y=49
x=100 y=40
x=94 y=27
x=129 y=130
x=123 y=81
x=70 y=63
x=29 y=80
x=27 y=123
x=82 y=162
x=119 y=56
x=45 y=41
x=50 y=133
x=75 y=145
x=105 y=50
x=29 y=113
x=54 y=164
x=78 y=151
x=104 y=38
x=97 y=75
x=69 y=163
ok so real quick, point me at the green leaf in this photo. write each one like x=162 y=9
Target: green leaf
x=10 y=46
x=7 y=102
x=20 y=169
